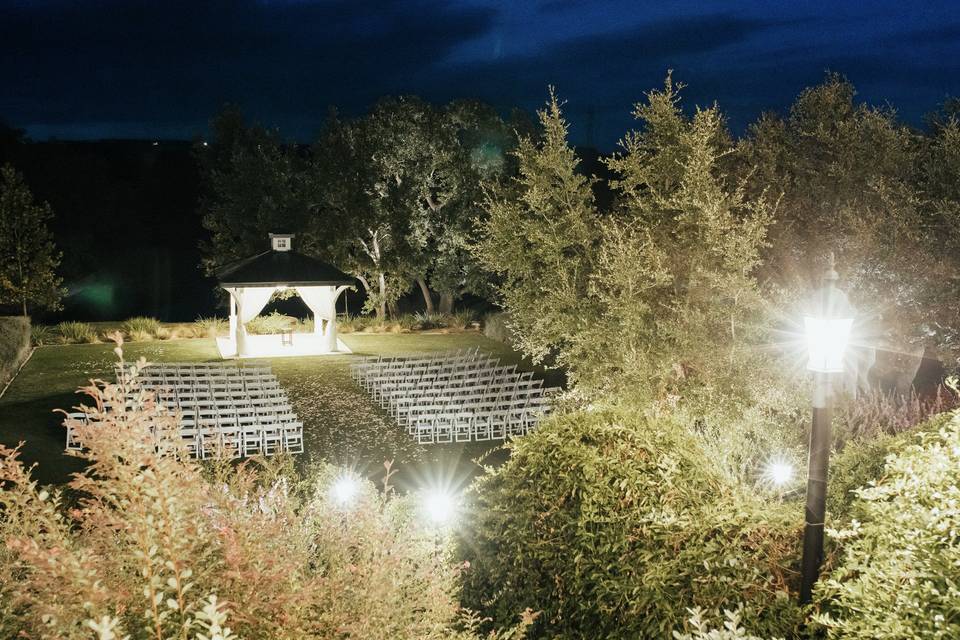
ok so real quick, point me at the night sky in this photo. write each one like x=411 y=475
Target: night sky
x=128 y=69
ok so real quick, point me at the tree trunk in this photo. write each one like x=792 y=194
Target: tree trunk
x=427 y=297
x=382 y=307
x=24 y=301
x=446 y=302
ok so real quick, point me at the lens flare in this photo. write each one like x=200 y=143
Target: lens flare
x=345 y=490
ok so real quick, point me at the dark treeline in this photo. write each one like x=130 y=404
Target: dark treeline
x=125 y=219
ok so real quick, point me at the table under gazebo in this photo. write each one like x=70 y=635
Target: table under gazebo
x=251 y=284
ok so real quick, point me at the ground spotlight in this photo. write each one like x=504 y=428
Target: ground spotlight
x=778 y=472
x=439 y=506
x=344 y=490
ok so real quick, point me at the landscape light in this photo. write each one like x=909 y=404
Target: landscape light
x=344 y=490
x=439 y=506
x=778 y=472
x=827 y=325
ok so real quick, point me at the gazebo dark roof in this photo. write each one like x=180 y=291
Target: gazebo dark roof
x=282 y=268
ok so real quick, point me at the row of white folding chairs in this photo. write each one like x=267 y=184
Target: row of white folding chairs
x=466 y=426
x=425 y=407
x=224 y=438
x=371 y=367
x=492 y=378
x=211 y=393
x=501 y=375
x=234 y=440
x=407 y=367
x=432 y=373
x=407 y=411
x=402 y=405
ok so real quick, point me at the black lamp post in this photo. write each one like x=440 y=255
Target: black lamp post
x=828 y=330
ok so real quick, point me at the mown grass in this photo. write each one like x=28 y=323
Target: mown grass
x=341 y=423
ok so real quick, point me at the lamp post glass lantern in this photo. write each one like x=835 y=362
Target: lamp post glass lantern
x=828 y=327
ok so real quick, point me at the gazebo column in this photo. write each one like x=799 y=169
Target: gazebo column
x=332 y=311
x=233 y=317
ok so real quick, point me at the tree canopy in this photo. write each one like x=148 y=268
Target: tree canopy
x=28 y=256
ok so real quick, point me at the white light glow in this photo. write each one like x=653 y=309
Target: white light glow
x=778 y=472
x=440 y=507
x=345 y=490
x=826 y=343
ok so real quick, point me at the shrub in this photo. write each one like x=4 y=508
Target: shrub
x=41 y=334
x=873 y=413
x=209 y=327
x=138 y=335
x=271 y=323
x=408 y=322
x=898 y=574
x=495 y=327
x=425 y=320
x=140 y=325
x=77 y=332
x=15 y=334
x=460 y=320
x=157 y=548
x=862 y=462
x=700 y=630
x=162 y=333
x=614 y=524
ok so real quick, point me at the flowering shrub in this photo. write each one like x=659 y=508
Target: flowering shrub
x=143 y=545
x=898 y=574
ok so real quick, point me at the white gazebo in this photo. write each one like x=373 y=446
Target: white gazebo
x=252 y=282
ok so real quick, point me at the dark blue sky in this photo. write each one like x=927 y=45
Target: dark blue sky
x=126 y=68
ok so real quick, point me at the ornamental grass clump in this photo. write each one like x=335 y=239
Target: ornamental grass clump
x=148 y=546
x=898 y=571
x=140 y=326
x=77 y=332
x=614 y=525
x=209 y=327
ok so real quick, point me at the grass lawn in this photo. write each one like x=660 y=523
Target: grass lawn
x=341 y=423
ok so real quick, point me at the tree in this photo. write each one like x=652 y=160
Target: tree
x=353 y=216
x=656 y=295
x=252 y=185
x=853 y=181
x=540 y=239
x=28 y=255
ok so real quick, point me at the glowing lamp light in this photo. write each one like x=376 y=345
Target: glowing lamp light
x=778 y=472
x=344 y=490
x=827 y=325
x=826 y=343
x=440 y=507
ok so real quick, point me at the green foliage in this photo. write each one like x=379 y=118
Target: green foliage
x=540 y=238
x=274 y=322
x=614 y=524
x=252 y=185
x=862 y=461
x=141 y=326
x=700 y=630
x=28 y=256
x=210 y=327
x=496 y=327
x=657 y=297
x=426 y=320
x=41 y=334
x=882 y=196
x=15 y=338
x=155 y=546
x=76 y=332
x=898 y=571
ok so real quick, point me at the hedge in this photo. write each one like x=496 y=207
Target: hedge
x=14 y=346
x=614 y=525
